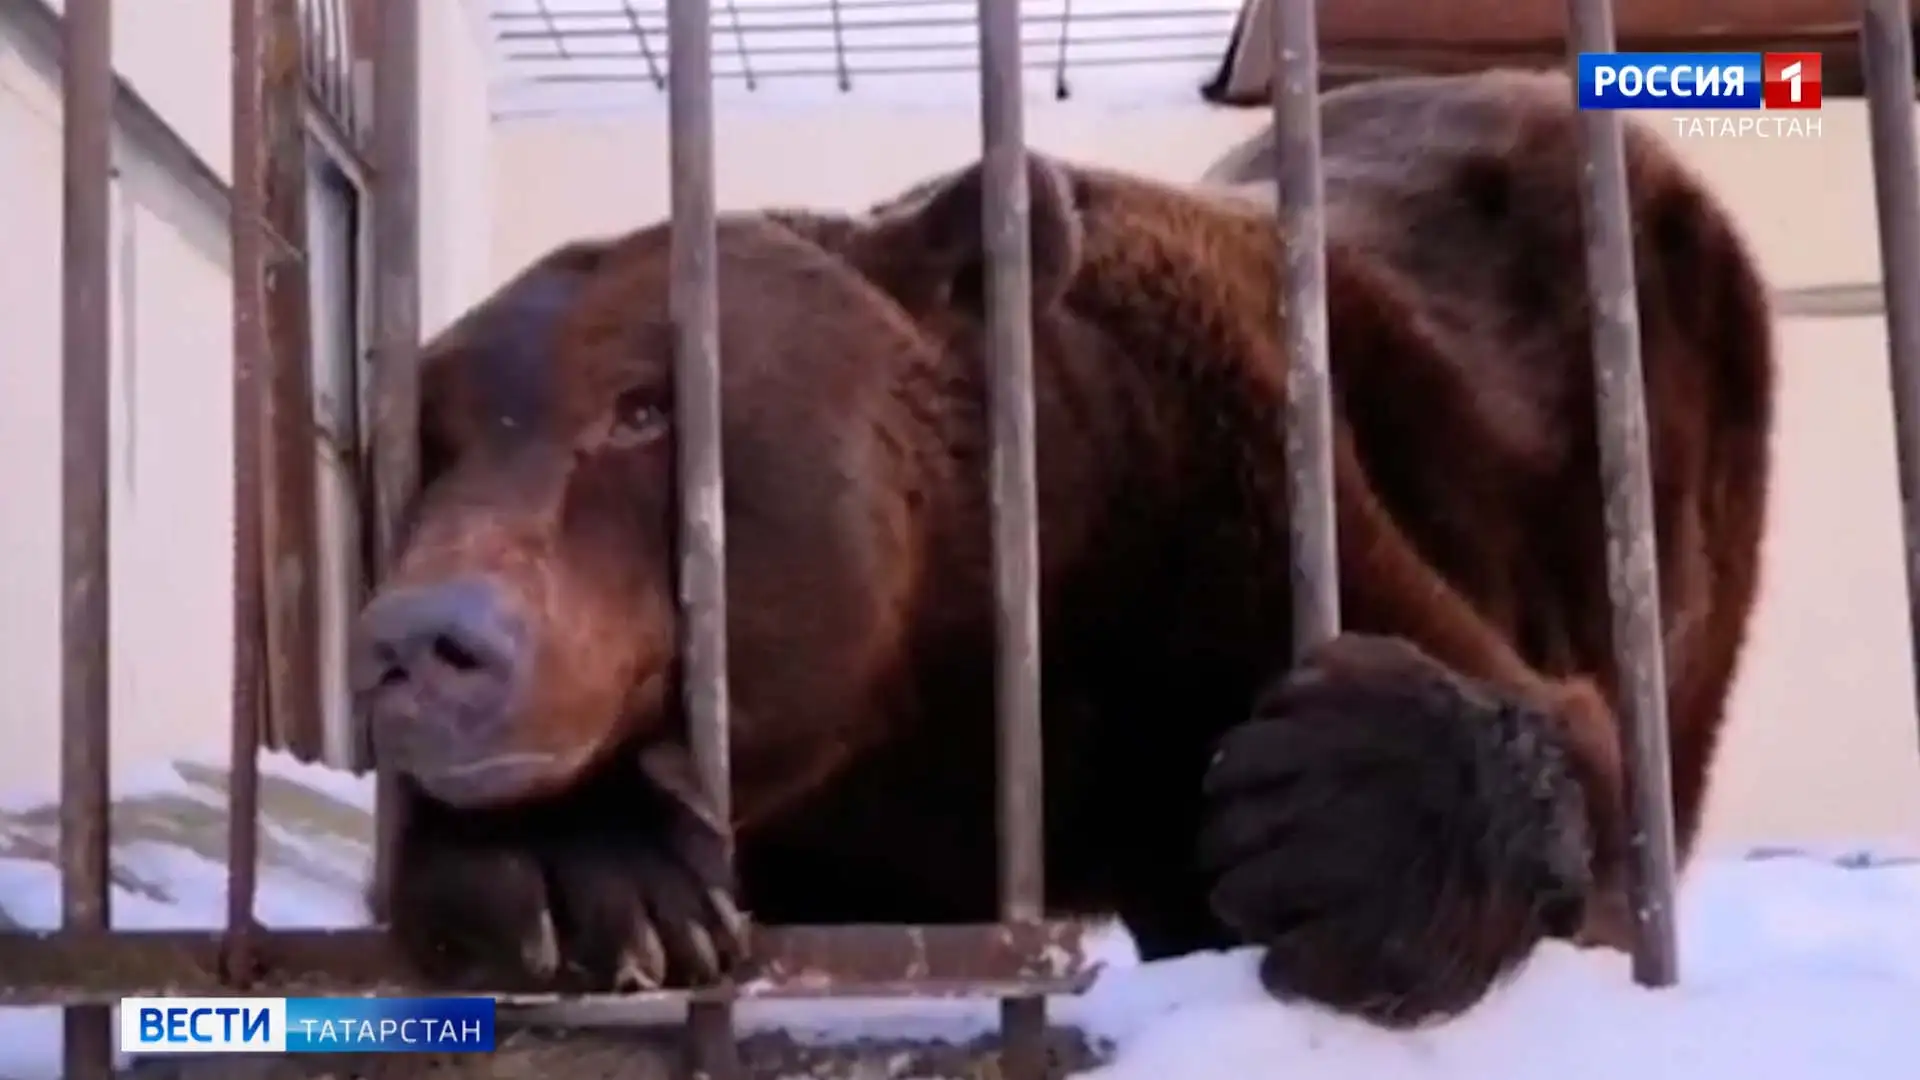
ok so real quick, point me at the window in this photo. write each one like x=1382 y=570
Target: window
x=337 y=250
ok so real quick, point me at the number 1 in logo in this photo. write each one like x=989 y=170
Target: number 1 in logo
x=1790 y=80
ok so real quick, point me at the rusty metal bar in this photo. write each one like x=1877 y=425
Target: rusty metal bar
x=786 y=962
x=695 y=306
x=1886 y=49
x=1007 y=230
x=290 y=492
x=396 y=271
x=87 y=94
x=393 y=450
x=251 y=351
x=1303 y=324
x=696 y=319
x=1633 y=577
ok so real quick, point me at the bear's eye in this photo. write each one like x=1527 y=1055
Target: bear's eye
x=639 y=418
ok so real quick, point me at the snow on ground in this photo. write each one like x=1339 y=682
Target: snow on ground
x=1796 y=965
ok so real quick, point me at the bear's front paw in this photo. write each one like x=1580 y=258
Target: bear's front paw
x=1398 y=837
x=645 y=913
x=466 y=912
x=638 y=901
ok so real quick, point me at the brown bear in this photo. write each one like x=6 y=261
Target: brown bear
x=1397 y=819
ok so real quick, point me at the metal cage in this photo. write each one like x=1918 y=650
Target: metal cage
x=277 y=47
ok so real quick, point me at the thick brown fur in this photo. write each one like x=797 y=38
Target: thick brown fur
x=1398 y=818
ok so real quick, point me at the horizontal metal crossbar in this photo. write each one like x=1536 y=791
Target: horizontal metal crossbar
x=990 y=960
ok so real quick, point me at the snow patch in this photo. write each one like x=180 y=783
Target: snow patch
x=1796 y=965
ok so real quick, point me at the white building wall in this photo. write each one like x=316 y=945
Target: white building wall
x=1823 y=742
x=172 y=414
x=556 y=178
x=456 y=161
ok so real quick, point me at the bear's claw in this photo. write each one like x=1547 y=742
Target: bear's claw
x=601 y=905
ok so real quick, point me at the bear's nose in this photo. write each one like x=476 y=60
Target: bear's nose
x=436 y=668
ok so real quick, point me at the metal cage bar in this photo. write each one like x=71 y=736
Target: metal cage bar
x=1006 y=228
x=695 y=307
x=1886 y=49
x=87 y=92
x=273 y=278
x=275 y=674
x=1301 y=213
x=1633 y=577
x=251 y=352
x=395 y=392
x=393 y=447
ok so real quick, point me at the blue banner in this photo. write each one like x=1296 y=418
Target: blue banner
x=259 y=1025
x=1670 y=80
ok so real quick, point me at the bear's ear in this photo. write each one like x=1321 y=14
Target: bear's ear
x=928 y=247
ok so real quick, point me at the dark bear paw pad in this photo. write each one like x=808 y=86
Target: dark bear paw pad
x=1397 y=836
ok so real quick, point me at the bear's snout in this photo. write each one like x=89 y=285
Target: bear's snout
x=437 y=670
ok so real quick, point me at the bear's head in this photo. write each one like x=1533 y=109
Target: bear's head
x=527 y=630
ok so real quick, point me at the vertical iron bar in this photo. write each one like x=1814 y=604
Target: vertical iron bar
x=1633 y=578
x=695 y=305
x=396 y=270
x=87 y=86
x=1303 y=321
x=287 y=499
x=1886 y=51
x=250 y=348
x=394 y=377
x=1006 y=232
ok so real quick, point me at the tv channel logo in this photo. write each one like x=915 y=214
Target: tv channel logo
x=1790 y=80
x=1639 y=80
x=192 y=1025
x=261 y=1025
